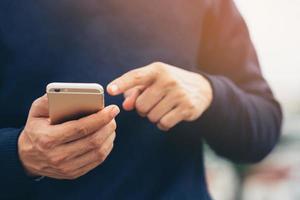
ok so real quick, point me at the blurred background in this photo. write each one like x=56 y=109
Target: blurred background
x=275 y=30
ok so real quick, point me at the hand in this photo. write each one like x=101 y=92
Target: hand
x=165 y=94
x=68 y=150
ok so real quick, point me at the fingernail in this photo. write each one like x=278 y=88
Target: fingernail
x=114 y=88
x=115 y=111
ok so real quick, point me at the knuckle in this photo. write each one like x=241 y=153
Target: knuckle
x=108 y=148
x=103 y=153
x=80 y=129
x=152 y=118
x=65 y=170
x=56 y=160
x=158 y=65
x=165 y=123
x=39 y=168
x=138 y=76
x=179 y=95
x=185 y=114
x=95 y=142
x=72 y=174
x=188 y=112
x=44 y=142
x=142 y=112
x=171 y=83
x=138 y=103
x=26 y=149
x=190 y=106
x=140 y=106
x=186 y=101
x=158 y=68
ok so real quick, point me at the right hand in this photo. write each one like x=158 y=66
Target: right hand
x=68 y=150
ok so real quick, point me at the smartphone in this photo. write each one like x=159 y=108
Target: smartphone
x=71 y=101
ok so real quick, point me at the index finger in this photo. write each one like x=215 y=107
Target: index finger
x=138 y=77
x=76 y=129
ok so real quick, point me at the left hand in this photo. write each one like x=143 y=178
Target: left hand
x=165 y=94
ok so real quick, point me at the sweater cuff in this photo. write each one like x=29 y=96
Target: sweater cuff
x=12 y=172
x=213 y=117
x=220 y=93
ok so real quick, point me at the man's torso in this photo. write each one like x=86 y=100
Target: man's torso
x=96 y=41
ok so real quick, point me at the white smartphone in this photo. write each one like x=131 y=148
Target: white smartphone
x=70 y=101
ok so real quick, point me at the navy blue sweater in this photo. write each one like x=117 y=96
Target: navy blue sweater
x=43 y=41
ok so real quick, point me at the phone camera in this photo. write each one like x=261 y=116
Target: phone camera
x=56 y=90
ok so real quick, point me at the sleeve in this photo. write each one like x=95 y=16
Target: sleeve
x=244 y=120
x=14 y=183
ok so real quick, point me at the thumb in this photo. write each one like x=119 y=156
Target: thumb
x=40 y=107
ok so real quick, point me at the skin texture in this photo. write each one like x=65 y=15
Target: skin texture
x=165 y=94
x=68 y=150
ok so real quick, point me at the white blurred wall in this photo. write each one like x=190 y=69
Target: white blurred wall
x=275 y=29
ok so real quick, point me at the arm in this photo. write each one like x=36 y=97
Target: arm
x=14 y=183
x=64 y=151
x=229 y=104
x=243 y=121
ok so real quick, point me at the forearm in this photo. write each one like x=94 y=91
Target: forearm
x=239 y=125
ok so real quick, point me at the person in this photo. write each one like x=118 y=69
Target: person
x=188 y=72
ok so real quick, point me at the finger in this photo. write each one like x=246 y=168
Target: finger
x=73 y=130
x=168 y=103
x=97 y=155
x=132 y=91
x=50 y=174
x=170 y=119
x=138 y=77
x=79 y=147
x=131 y=96
x=86 y=169
x=39 y=107
x=75 y=168
x=56 y=174
x=149 y=98
x=47 y=172
x=59 y=176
